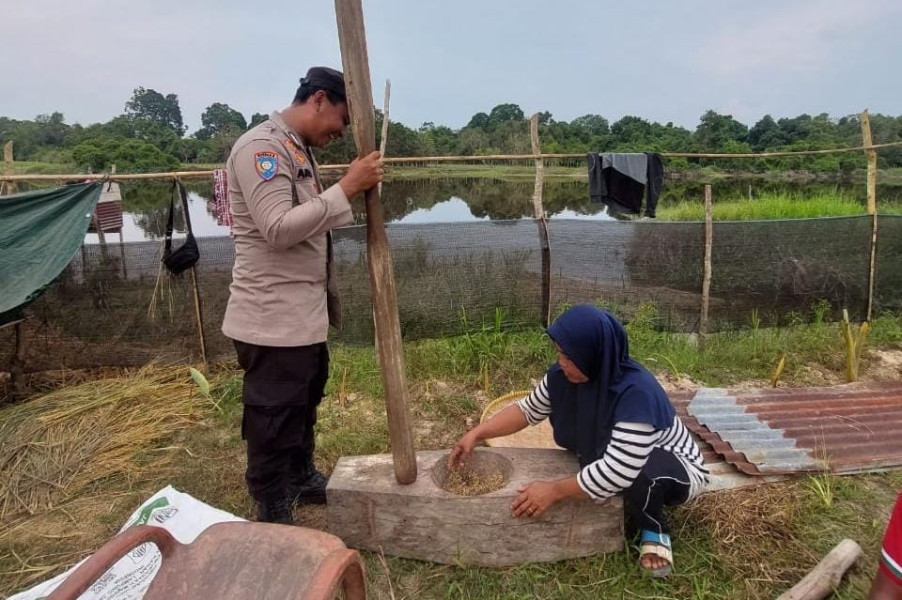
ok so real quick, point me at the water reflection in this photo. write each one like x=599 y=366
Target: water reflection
x=146 y=204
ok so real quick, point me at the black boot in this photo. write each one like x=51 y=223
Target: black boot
x=275 y=511
x=307 y=485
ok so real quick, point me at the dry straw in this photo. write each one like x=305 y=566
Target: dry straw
x=57 y=445
x=754 y=534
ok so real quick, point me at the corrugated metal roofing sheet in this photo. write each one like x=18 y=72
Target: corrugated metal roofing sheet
x=108 y=213
x=109 y=216
x=843 y=429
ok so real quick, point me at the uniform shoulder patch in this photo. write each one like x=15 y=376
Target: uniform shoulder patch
x=267 y=164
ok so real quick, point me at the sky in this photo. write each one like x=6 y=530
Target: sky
x=663 y=60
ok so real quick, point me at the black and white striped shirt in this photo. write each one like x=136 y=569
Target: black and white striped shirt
x=627 y=451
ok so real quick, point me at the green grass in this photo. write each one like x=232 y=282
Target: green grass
x=752 y=544
x=797 y=523
x=769 y=206
x=24 y=167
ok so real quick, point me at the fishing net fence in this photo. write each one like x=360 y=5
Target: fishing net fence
x=113 y=306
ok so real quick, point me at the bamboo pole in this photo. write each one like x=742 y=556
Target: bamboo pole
x=352 y=40
x=63 y=177
x=198 y=313
x=9 y=168
x=872 y=207
x=422 y=159
x=706 y=282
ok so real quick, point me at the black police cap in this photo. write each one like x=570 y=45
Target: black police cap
x=325 y=78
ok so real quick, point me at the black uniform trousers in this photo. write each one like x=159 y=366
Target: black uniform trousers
x=283 y=387
x=662 y=482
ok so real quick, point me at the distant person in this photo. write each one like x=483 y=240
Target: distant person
x=616 y=417
x=888 y=583
x=282 y=300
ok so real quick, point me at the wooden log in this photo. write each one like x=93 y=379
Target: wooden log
x=872 y=207
x=368 y=510
x=352 y=39
x=823 y=579
x=706 y=282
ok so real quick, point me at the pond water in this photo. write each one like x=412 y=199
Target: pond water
x=145 y=204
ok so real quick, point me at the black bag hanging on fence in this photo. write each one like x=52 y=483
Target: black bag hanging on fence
x=185 y=256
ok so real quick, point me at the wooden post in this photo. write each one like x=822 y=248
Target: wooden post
x=872 y=161
x=199 y=315
x=867 y=140
x=17 y=368
x=706 y=282
x=538 y=211
x=9 y=168
x=352 y=40
x=539 y=214
x=825 y=577
x=122 y=256
x=384 y=142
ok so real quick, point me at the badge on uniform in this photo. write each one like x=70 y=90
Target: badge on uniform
x=298 y=155
x=267 y=164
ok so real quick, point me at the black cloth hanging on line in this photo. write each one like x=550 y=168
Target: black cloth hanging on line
x=622 y=180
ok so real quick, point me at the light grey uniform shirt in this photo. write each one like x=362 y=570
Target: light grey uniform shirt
x=278 y=295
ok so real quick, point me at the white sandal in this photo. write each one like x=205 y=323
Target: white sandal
x=658 y=544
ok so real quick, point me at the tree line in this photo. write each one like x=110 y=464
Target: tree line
x=150 y=135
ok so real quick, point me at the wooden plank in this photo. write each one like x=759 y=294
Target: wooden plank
x=368 y=510
x=352 y=39
x=706 y=282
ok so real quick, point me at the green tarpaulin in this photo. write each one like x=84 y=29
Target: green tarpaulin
x=40 y=232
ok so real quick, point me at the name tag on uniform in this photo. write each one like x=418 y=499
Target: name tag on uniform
x=304 y=173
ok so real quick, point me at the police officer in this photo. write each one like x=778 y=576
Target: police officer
x=282 y=300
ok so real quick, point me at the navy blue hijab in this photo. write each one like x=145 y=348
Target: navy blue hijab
x=619 y=389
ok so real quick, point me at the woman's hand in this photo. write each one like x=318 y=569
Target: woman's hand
x=462 y=450
x=508 y=421
x=535 y=498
